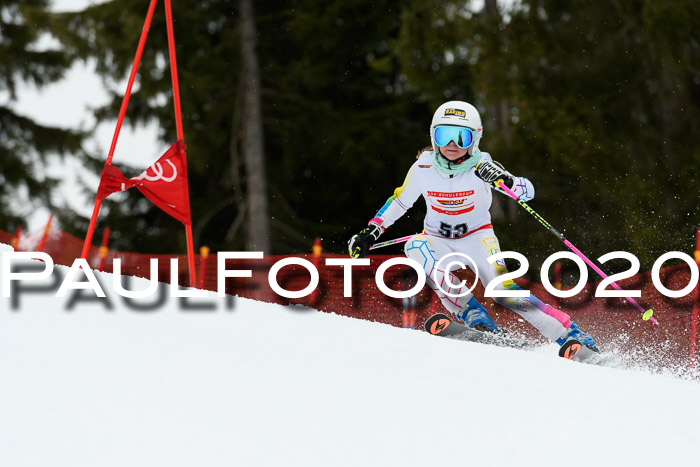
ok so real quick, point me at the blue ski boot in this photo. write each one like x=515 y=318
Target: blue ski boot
x=574 y=332
x=476 y=317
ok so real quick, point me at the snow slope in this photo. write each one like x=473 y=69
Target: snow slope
x=264 y=385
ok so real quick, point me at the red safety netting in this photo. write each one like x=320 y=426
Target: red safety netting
x=6 y=237
x=615 y=323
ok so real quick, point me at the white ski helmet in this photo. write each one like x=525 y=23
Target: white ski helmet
x=457 y=113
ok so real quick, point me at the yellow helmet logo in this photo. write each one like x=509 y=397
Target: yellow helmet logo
x=457 y=112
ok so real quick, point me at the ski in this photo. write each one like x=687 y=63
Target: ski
x=442 y=325
x=572 y=349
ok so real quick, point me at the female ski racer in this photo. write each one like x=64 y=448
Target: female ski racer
x=457 y=194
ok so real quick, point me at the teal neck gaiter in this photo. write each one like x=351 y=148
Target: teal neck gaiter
x=448 y=167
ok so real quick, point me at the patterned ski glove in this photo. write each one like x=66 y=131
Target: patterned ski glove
x=359 y=245
x=492 y=171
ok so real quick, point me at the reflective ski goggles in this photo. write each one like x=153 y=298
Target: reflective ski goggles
x=463 y=137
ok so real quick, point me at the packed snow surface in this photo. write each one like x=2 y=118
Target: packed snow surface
x=262 y=385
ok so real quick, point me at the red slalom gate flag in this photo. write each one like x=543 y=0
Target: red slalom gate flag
x=164 y=183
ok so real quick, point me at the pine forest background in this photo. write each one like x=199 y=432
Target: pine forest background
x=312 y=111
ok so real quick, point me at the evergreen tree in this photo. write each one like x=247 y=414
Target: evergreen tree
x=603 y=112
x=26 y=145
x=333 y=113
x=208 y=53
x=600 y=102
x=595 y=102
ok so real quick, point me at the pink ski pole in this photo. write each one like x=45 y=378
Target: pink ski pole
x=391 y=242
x=646 y=314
